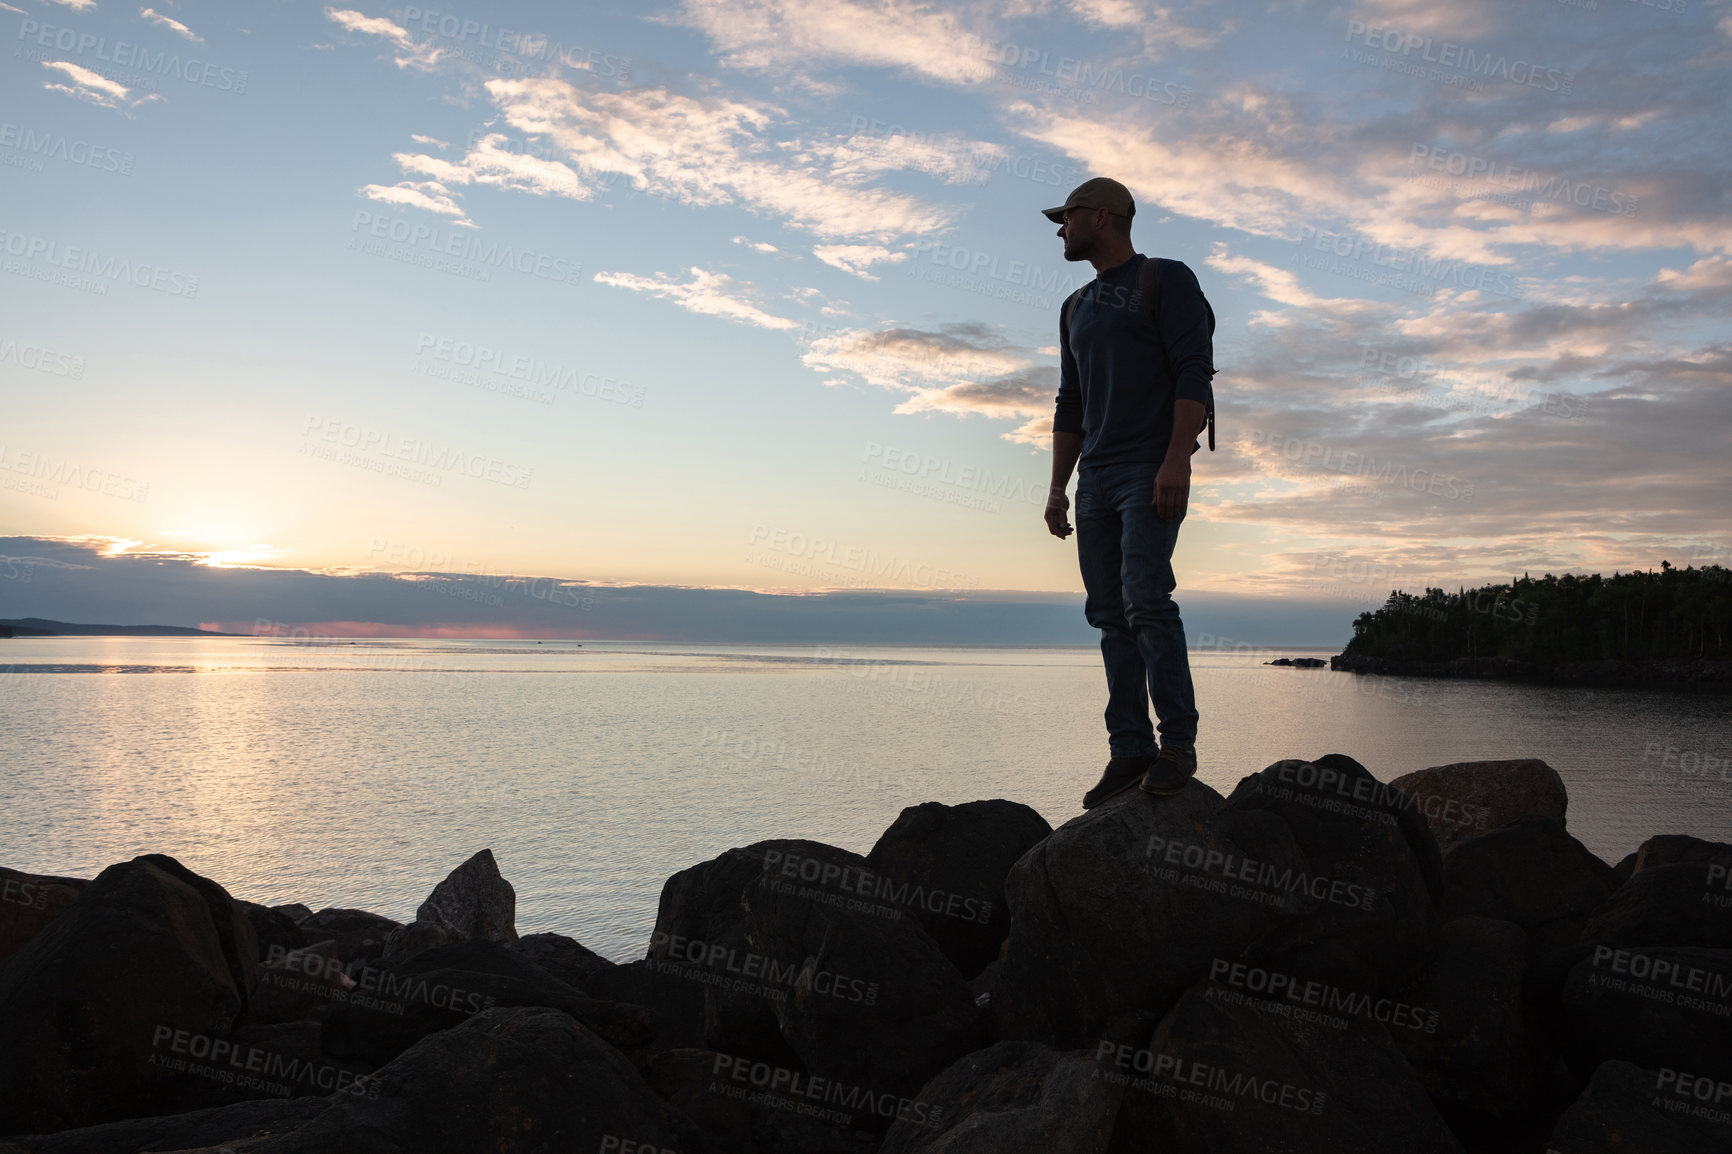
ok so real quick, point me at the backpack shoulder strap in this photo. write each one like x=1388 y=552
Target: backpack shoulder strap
x=1149 y=277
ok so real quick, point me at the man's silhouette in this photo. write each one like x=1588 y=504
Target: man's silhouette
x=1133 y=394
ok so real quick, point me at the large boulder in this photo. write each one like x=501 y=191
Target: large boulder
x=1011 y=1098
x=1478 y=1044
x=1530 y=872
x=1224 y=1074
x=233 y=1125
x=1359 y=911
x=563 y=957
x=359 y=935
x=1467 y=798
x=296 y=985
x=277 y=932
x=1679 y=894
x=147 y=949
x=474 y=902
x=30 y=901
x=390 y=1010
x=947 y=864
x=1660 y=1007
x=1113 y=915
x=802 y=962
x=510 y=1081
x=1629 y=1110
x=870 y=998
x=761 y=1108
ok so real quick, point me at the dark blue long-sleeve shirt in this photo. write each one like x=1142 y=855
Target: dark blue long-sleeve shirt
x=1115 y=387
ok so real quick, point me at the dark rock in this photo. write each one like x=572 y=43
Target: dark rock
x=299 y=984
x=1012 y=1098
x=561 y=957
x=1299 y=662
x=946 y=864
x=1679 y=849
x=1679 y=898
x=1530 y=872
x=1102 y=927
x=148 y=947
x=408 y=941
x=1660 y=1007
x=509 y=1081
x=1629 y=1110
x=259 y=1060
x=872 y=1000
x=783 y=1112
x=473 y=902
x=1477 y=1043
x=30 y=901
x=360 y=936
x=294 y=911
x=675 y=1005
x=1468 y=798
x=393 y=1009
x=1359 y=910
x=277 y=933
x=223 y=1125
x=1223 y=1076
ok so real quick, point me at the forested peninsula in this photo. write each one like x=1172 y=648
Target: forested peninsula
x=1665 y=626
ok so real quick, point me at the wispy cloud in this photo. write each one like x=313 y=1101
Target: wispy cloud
x=429 y=195
x=961 y=369
x=706 y=293
x=422 y=56
x=171 y=24
x=94 y=88
x=857 y=258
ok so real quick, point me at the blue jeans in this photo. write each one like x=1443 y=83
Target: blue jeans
x=1126 y=553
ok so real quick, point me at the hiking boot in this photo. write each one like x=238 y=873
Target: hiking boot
x=1121 y=774
x=1168 y=773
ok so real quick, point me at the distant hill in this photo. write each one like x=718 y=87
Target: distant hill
x=42 y=627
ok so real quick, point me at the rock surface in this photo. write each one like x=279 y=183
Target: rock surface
x=1011 y=1098
x=474 y=902
x=947 y=865
x=1224 y=1076
x=1629 y=1110
x=147 y=948
x=1467 y=798
x=30 y=901
x=1102 y=927
x=1530 y=872
x=359 y=935
x=1659 y=1007
x=508 y=1081
x=223 y=1125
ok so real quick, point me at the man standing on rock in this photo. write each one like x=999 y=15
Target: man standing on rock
x=1134 y=387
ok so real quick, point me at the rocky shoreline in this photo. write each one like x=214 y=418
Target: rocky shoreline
x=1320 y=961
x=1672 y=673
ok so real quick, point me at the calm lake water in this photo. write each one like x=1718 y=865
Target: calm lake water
x=358 y=774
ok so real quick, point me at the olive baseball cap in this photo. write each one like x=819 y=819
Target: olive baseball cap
x=1098 y=192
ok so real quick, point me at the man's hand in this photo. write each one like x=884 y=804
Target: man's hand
x=1172 y=488
x=1057 y=505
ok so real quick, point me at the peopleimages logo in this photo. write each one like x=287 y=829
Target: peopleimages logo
x=1460 y=57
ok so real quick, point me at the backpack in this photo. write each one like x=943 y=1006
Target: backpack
x=1149 y=291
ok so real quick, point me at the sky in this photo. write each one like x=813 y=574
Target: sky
x=754 y=297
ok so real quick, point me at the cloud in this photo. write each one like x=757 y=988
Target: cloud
x=790 y=38
x=421 y=56
x=960 y=369
x=704 y=151
x=431 y=141
x=426 y=194
x=171 y=24
x=857 y=258
x=93 y=87
x=756 y=245
x=707 y=293
x=490 y=162
x=75 y=5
